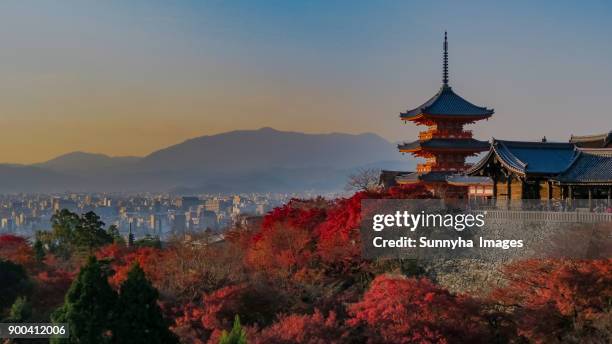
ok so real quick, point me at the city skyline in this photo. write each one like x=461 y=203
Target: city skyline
x=128 y=79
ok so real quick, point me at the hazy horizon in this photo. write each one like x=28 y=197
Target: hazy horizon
x=187 y=139
x=126 y=79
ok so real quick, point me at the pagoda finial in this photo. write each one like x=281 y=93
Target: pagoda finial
x=445 y=63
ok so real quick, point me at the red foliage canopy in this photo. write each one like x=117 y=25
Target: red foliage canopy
x=122 y=259
x=555 y=300
x=16 y=249
x=302 y=329
x=406 y=310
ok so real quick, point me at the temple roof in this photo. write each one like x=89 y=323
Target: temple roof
x=446 y=103
x=541 y=158
x=592 y=141
x=591 y=166
x=415 y=177
x=445 y=144
x=461 y=179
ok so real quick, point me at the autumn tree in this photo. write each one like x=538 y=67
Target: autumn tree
x=399 y=310
x=556 y=301
x=16 y=249
x=89 y=306
x=313 y=328
x=138 y=317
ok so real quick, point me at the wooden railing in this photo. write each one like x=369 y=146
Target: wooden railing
x=428 y=167
x=548 y=216
x=446 y=134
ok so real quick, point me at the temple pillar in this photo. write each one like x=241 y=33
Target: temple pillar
x=509 y=190
x=494 y=187
x=590 y=199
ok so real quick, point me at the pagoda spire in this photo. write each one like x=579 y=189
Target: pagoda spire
x=445 y=62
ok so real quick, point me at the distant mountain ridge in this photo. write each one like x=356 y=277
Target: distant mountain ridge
x=82 y=161
x=243 y=160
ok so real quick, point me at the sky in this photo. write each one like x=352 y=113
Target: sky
x=130 y=77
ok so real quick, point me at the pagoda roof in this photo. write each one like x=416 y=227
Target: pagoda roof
x=461 y=179
x=445 y=144
x=524 y=158
x=591 y=166
x=592 y=141
x=447 y=104
x=415 y=177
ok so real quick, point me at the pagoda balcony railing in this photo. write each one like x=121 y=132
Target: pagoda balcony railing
x=444 y=134
x=429 y=167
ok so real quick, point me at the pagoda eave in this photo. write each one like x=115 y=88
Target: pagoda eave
x=445 y=145
x=424 y=152
x=428 y=118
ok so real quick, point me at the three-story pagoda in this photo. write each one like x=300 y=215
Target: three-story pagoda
x=445 y=144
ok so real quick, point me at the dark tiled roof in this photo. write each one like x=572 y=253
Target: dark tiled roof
x=461 y=179
x=414 y=177
x=448 y=103
x=592 y=141
x=546 y=158
x=590 y=166
x=468 y=144
x=388 y=178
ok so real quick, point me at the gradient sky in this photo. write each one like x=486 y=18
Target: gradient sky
x=130 y=77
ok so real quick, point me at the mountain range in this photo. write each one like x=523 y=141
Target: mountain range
x=264 y=160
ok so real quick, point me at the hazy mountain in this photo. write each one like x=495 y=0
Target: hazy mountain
x=244 y=160
x=76 y=162
x=29 y=179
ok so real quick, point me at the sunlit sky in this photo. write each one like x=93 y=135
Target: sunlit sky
x=130 y=77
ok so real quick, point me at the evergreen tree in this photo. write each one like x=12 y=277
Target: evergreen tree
x=88 y=307
x=73 y=233
x=21 y=311
x=39 y=251
x=236 y=336
x=139 y=318
x=64 y=224
x=90 y=233
x=14 y=282
x=113 y=232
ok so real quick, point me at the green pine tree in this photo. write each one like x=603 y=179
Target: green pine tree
x=139 y=318
x=88 y=306
x=21 y=311
x=236 y=336
x=39 y=251
x=14 y=282
x=113 y=232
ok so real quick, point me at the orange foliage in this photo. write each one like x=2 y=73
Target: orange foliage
x=123 y=258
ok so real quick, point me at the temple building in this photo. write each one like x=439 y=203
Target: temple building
x=580 y=169
x=593 y=141
x=445 y=144
x=545 y=171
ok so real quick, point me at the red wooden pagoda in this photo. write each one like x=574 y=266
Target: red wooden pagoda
x=445 y=144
